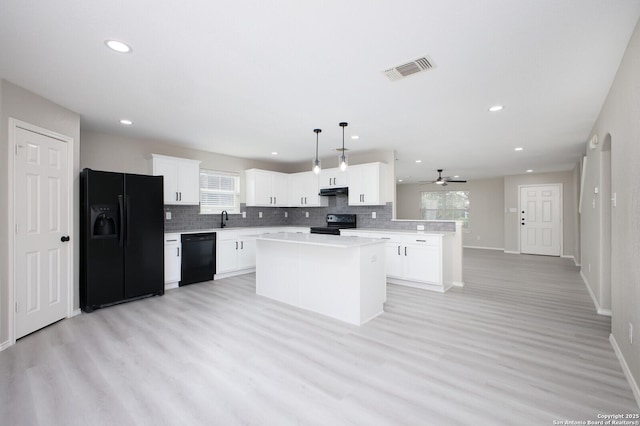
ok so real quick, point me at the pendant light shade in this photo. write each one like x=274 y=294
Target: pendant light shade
x=342 y=159
x=316 y=163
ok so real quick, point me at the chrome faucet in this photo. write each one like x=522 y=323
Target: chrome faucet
x=223 y=216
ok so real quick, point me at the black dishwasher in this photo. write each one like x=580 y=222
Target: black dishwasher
x=198 y=257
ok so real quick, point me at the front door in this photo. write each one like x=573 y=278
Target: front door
x=41 y=203
x=540 y=220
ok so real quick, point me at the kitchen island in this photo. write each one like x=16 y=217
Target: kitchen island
x=340 y=277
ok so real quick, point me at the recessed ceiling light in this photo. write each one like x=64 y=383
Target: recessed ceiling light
x=274 y=153
x=399 y=180
x=529 y=171
x=118 y=46
x=126 y=122
x=355 y=137
x=418 y=161
x=456 y=176
x=496 y=108
x=518 y=149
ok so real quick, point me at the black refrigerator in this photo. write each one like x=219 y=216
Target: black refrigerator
x=121 y=237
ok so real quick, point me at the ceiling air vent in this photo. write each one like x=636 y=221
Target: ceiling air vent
x=410 y=68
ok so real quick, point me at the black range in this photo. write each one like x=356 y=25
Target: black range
x=335 y=222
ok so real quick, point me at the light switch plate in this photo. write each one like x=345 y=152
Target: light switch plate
x=420 y=227
x=244 y=215
x=167 y=215
x=373 y=215
x=260 y=215
x=286 y=214
x=306 y=214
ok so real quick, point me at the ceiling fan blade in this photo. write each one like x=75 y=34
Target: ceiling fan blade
x=456 y=181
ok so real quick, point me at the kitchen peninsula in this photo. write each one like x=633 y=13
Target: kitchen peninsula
x=343 y=278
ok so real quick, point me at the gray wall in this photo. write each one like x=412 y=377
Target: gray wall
x=569 y=208
x=486 y=209
x=102 y=151
x=619 y=120
x=26 y=106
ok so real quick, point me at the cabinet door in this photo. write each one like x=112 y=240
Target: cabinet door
x=262 y=183
x=172 y=262
x=372 y=184
x=297 y=189
x=422 y=263
x=355 y=177
x=227 y=255
x=169 y=169
x=188 y=182
x=247 y=253
x=394 y=256
x=280 y=189
x=332 y=178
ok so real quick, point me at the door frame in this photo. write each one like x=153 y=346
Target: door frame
x=561 y=213
x=14 y=124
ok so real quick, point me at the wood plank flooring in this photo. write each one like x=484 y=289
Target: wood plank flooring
x=520 y=344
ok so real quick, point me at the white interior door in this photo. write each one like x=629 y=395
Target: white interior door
x=540 y=220
x=41 y=257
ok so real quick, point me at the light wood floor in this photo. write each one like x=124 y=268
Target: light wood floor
x=521 y=344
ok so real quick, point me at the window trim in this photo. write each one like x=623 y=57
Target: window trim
x=466 y=224
x=236 y=193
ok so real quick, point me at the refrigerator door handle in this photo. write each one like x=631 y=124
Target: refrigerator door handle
x=121 y=210
x=126 y=210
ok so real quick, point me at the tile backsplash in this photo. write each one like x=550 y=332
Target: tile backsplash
x=188 y=218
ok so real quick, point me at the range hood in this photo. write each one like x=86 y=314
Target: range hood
x=329 y=192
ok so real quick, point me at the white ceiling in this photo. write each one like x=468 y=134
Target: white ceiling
x=246 y=78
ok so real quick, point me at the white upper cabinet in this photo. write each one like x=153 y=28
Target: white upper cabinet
x=367 y=184
x=331 y=178
x=181 y=178
x=266 y=188
x=303 y=190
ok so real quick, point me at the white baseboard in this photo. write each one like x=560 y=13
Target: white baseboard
x=76 y=312
x=511 y=252
x=601 y=311
x=169 y=286
x=233 y=273
x=565 y=256
x=484 y=248
x=625 y=368
x=458 y=283
x=4 y=345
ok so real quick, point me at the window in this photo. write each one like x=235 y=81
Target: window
x=445 y=205
x=219 y=191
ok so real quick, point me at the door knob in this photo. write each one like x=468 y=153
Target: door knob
x=65 y=238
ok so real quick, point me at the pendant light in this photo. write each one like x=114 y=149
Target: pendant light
x=342 y=159
x=316 y=163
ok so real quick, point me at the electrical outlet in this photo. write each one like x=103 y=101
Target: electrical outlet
x=244 y=215
x=286 y=214
x=420 y=227
x=614 y=200
x=630 y=334
x=167 y=215
x=260 y=215
x=589 y=266
x=373 y=215
x=306 y=214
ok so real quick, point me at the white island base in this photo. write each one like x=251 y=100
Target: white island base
x=343 y=278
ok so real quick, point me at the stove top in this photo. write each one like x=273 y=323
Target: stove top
x=335 y=222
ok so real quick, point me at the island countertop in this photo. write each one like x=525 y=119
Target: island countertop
x=321 y=239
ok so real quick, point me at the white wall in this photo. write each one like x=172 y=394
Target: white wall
x=486 y=209
x=619 y=119
x=569 y=208
x=26 y=106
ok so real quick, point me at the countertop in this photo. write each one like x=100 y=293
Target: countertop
x=258 y=229
x=320 y=240
x=399 y=232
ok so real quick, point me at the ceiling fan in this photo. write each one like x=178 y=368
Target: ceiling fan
x=443 y=180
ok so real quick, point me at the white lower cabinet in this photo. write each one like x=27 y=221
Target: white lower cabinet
x=235 y=251
x=414 y=260
x=172 y=260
